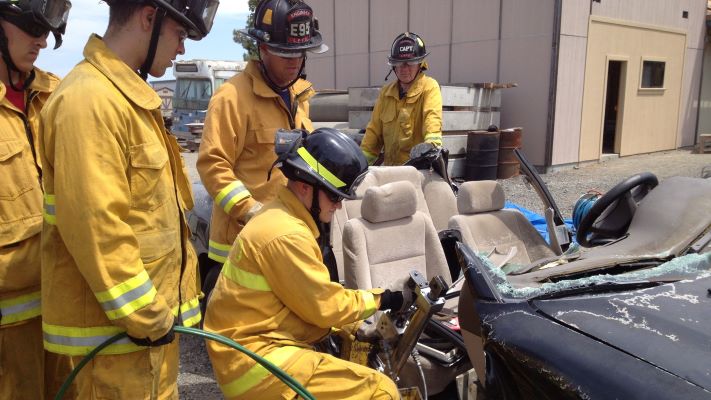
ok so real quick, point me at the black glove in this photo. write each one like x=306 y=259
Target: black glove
x=393 y=301
x=147 y=342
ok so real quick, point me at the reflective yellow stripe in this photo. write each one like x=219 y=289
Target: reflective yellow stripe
x=49 y=211
x=319 y=168
x=20 y=308
x=369 y=301
x=190 y=312
x=231 y=195
x=218 y=251
x=80 y=341
x=128 y=296
x=257 y=373
x=245 y=278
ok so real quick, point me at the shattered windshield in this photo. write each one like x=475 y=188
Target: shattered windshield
x=691 y=266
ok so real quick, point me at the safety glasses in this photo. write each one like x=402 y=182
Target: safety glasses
x=333 y=197
x=393 y=63
x=28 y=24
x=54 y=13
x=285 y=54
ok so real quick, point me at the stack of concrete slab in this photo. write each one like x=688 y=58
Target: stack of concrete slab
x=464 y=108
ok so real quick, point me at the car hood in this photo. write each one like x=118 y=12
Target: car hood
x=668 y=326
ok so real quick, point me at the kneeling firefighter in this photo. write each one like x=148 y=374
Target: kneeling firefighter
x=274 y=295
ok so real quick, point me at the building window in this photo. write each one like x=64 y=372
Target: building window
x=652 y=74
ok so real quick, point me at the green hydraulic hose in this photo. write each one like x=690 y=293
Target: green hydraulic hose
x=276 y=371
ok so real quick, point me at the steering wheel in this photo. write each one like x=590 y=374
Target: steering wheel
x=610 y=216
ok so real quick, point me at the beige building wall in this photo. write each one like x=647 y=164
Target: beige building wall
x=569 y=83
x=527 y=29
x=649 y=117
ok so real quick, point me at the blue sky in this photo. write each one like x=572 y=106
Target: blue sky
x=91 y=16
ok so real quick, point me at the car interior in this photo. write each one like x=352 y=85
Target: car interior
x=420 y=205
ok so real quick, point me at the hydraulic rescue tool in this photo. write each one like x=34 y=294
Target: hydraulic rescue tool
x=396 y=334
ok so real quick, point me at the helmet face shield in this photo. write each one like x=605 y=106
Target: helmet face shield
x=54 y=13
x=38 y=17
x=196 y=16
x=205 y=17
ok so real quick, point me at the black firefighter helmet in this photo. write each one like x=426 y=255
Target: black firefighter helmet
x=326 y=158
x=286 y=26
x=407 y=47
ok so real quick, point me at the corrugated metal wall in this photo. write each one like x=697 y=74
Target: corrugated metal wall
x=468 y=40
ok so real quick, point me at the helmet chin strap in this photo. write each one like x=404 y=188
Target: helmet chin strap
x=316 y=215
x=11 y=67
x=148 y=63
x=271 y=83
x=316 y=206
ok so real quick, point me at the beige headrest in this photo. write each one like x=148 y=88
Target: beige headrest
x=480 y=196
x=389 y=202
x=378 y=176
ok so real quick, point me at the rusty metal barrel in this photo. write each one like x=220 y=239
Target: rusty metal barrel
x=508 y=164
x=482 y=155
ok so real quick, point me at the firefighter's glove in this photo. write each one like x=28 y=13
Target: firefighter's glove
x=161 y=341
x=395 y=301
x=252 y=211
x=422 y=149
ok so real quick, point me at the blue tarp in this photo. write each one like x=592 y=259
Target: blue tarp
x=538 y=221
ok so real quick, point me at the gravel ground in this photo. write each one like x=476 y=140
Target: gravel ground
x=566 y=186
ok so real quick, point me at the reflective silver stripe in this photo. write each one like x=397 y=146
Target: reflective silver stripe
x=78 y=341
x=190 y=313
x=233 y=194
x=134 y=294
x=218 y=251
x=20 y=308
x=16 y=309
x=50 y=208
x=91 y=341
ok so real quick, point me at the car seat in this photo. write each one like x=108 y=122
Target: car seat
x=390 y=239
x=503 y=235
x=376 y=176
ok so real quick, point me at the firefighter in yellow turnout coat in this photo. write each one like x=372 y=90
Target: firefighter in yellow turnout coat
x=237 y=150
x=274 y=295
x=23 y=92
x=115 y=250
x=237 y=147
x=409 y=110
